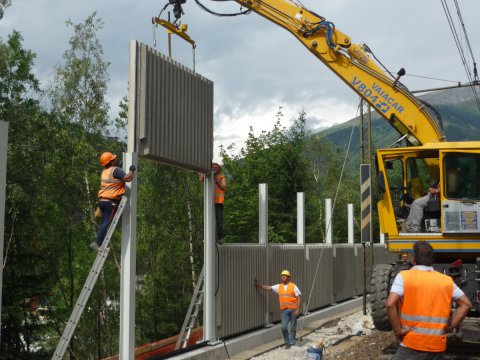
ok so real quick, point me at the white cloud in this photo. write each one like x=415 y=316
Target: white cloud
x=255 y=65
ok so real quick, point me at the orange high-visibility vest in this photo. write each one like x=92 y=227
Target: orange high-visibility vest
x=110 y=188
x=426 y=306
x=219 y=193
x=287 y=297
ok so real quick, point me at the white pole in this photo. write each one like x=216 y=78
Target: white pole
x=3 y=186
x=300 y=218
x=263 y=213
x=328 y=221
x=129 y=230
x=382 y=238
x=209 y=262
x=350 y=224
x=128 y=265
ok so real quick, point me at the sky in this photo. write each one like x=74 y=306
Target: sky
x=256 y=66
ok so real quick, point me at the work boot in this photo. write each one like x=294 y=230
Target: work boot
x=287 y=346
x=94 y=246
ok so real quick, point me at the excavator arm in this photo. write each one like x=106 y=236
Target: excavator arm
x=354 y=66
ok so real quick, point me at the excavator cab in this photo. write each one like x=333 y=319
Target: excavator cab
x=451 y=214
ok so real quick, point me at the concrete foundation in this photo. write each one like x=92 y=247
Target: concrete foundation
x=257 y=342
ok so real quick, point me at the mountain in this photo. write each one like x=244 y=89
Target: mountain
x=459 y=111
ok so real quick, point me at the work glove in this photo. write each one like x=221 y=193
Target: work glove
x=132 y=168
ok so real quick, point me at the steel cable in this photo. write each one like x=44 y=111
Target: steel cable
x=328 y=227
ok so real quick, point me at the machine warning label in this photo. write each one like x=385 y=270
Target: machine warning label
x=377 y=96
x=469 y=220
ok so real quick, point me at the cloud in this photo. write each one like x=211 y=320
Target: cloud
x=255 y=65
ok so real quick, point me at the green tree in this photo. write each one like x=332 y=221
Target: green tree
x=28 y=260
x=78 y=103
x=276 y=157
x=3 y=5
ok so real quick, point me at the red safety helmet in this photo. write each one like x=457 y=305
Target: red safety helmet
x=106 y=157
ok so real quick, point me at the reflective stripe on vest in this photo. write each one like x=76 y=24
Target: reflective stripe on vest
x=219 y=193
x=287 y=297
x=426 y=309
x=110 y=188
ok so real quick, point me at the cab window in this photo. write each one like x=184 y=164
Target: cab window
x=461 y=174
x=419 y=178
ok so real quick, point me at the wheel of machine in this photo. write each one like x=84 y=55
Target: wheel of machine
x=379 y=289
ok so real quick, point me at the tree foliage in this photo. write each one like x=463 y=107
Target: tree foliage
x=53 y=178
x=289 y=160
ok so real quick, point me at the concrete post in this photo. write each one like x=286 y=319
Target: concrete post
x=128 y=265
x=209 y=261
x=382 y=238
x=350 y=224
x=328 y=221
x=300 y=218
x=3 y=186
x=263 y=239
x=263 y=213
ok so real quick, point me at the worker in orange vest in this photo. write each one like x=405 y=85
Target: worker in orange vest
x=112 y=187
x=424 y=297
x=289 y=297
x=219 y=198
x=220 y=188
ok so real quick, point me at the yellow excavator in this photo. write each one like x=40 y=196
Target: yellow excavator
x=422 y=158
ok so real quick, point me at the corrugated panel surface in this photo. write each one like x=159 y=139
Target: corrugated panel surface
x=241 y=306
x=381 y=256
x=292 y=258
x=344 y=272
x=173 y=112
x=359 y=271
x=322 y=293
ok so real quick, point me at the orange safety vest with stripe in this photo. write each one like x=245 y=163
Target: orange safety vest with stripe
x=110 y=188
x=287 y=297
x=425 y=309
x=219 y=193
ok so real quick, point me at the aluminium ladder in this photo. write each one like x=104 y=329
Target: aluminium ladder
x=88 y=287
x=192 y=313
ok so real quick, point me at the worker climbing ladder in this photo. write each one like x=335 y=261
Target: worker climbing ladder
x=88 y=287
x=192 y=313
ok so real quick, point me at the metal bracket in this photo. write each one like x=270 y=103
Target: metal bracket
x=173 y=29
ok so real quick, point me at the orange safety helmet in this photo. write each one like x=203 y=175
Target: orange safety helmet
x=106 y=157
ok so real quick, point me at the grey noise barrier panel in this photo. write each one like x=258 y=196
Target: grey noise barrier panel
x=173 y=112
x=241 y=307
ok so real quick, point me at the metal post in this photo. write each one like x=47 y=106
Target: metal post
x=3 y=186
x=366 y=226
x=350 y=224
x=263 y=239
x=263 y=213
x=129 y=232
x=300 y=218
x=328 y=221
x=128 y=265
x=209 y=261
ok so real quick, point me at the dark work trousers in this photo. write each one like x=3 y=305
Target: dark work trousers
x=219 y=221
x=108 y=212
x=405 y=353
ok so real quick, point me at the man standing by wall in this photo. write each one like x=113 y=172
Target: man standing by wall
x=112 y=188
x=220 y=188
x=424 y=298
x=289 y=297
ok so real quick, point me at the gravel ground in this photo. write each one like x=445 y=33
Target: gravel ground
x=371 y=344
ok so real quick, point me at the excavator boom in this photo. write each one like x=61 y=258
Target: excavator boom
x=354 y=66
